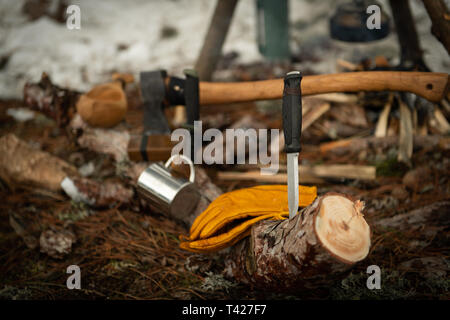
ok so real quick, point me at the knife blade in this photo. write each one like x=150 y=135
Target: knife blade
x=292 y=127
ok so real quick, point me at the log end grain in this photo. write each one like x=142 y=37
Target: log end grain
x=342 y=229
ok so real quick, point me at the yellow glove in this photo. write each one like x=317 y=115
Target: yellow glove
x=229 y=217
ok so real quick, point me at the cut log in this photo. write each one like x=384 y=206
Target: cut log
x=25 y=166
x=21 y=164
x=321 y=242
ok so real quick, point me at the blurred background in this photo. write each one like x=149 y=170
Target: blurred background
x=136 y=35
x=388 y=149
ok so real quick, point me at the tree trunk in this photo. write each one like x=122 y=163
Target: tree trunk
x=217 y=32
x=438 y=12
x=317 y=245
x=411 y=53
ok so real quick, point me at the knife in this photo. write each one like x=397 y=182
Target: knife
x=292 y=128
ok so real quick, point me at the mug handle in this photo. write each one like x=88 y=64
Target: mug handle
x=189 y=161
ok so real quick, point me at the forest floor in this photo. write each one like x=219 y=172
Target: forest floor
x=128 y=251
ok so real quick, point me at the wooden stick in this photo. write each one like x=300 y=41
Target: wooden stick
x=307 y=174
x=319 y=244
x=431 y=86
x=439 y=122
x=405 y=139
x=358 y=144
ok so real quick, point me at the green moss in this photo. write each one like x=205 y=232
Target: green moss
x=354 y=287
x=390 y=167
x=78 y=211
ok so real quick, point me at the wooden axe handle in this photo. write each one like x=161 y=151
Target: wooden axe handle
x=429 y=85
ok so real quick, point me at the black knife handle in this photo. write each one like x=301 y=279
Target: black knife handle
x=292 y=112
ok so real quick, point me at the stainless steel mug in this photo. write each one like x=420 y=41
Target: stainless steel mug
x=174 y=196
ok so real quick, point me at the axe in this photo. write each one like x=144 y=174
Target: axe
x=165 y=90
x=154 y=144
x=432 y=86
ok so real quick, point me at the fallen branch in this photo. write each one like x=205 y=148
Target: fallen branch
x=438 y=12
x=307 y=174
x=435 y=214
x=23 y=165
x=113 y=142
x=359 y=144
x=405 y=139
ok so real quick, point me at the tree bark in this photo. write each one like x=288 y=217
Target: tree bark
x=217 y=32
x=320 y=243
x=438 y=12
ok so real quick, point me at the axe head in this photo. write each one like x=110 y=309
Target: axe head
x=154 y=143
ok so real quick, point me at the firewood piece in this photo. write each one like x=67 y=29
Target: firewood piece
x=418 y=177
x=258 y=177
x=337 y=97
x=350 y=114
x=439 y=122
x=445 y=105
x=22 y=164
x=313 y=109
x=433 y=215
x=344 y=65
x=405 y=139
x=336 y=129
x=358 y=144
x=314 y=114
x=307 y=174
x=217 y=32
x=244 y=123
x=53 y=101
x=438 y=12
x=112 y=141
x=381 y=129
x=319 y=243
x=96 y=194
